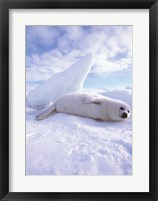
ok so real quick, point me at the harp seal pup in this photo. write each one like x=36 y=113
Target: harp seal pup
x=89 y=105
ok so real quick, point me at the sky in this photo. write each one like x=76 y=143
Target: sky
x=52 y=49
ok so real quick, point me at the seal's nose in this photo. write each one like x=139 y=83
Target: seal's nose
x=124 y=115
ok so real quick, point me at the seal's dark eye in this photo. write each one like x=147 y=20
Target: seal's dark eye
x=121 y=108
x=128 y=111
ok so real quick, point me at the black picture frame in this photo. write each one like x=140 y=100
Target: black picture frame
x=5 y=5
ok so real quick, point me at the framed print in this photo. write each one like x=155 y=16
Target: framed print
x=78 y=100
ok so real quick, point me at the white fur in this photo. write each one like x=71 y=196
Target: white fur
x=90 y=105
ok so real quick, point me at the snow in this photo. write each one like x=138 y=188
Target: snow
x=65 y=144
x=72 y=80
x=71 y=145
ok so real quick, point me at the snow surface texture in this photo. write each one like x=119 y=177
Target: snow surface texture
x=71 y=80
x=71 y=145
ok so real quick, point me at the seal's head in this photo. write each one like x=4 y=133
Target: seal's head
x=119 y=111
x=124 y=111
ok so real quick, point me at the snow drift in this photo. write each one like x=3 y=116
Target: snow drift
x=70 y=80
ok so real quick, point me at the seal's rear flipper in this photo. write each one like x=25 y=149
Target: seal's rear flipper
x=50 y=111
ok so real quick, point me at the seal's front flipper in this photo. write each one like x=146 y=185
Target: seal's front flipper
x=91 y=100
x=50 y=111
